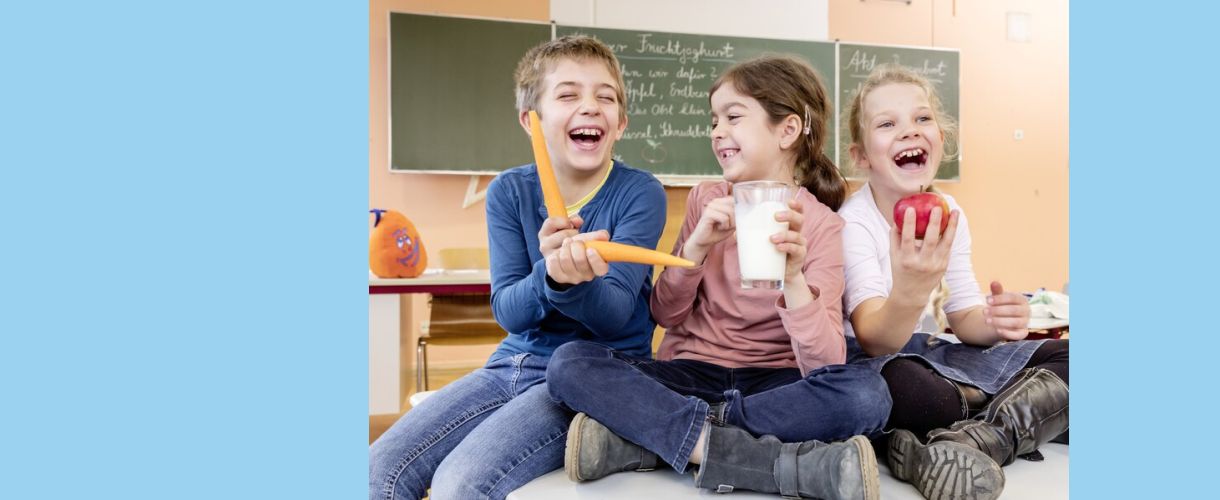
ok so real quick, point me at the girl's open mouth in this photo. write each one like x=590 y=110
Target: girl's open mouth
x=911 y=159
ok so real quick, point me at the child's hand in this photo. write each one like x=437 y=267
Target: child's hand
x=1007 y=313
x=716 y=224
x=918 y=266
x=791 y=241
x=572 y=263
x=554 y=230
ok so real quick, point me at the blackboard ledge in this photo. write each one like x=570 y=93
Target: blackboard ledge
x=686 y=180
x=861 y=179
x=666 y=180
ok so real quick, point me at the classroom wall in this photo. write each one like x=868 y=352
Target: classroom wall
x=433 y=202
x=1014 y=191
x=801 y=19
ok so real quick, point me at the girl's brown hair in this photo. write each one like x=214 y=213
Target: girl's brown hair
x=786 y=86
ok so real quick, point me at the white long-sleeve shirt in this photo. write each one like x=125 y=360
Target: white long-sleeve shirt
x=866 y=260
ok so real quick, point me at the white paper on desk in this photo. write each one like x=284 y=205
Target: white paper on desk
x=463 y=271
x=1048 y=304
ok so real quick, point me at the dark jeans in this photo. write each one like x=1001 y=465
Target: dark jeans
x=662 y=405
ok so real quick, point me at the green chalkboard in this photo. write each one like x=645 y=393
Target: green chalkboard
x=940 y=66
x=668 y=76
x=452 y=106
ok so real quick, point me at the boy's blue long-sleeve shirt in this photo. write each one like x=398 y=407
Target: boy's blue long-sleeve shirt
x=611 y=309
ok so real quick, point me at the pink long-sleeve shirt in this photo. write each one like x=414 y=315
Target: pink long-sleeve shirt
x=710 y=318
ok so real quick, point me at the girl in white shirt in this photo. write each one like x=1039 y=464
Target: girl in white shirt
x=961 y=410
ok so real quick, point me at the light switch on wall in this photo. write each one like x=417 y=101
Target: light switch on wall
x=1018 y=27
x=1018 y=134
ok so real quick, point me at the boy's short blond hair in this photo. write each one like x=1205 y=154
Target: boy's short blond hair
x=541 y=59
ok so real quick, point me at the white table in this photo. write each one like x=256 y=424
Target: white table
x=385 y=375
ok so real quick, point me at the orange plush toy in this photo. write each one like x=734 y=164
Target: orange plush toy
x=395 y=250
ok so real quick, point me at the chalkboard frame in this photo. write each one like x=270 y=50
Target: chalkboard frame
x=834 y=81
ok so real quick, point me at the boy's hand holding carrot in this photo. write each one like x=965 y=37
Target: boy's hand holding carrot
x=572 y=263
x=554 y=230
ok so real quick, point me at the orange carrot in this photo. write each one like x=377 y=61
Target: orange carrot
x=618 y=252
x=546 y=174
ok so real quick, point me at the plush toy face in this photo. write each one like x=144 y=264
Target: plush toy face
x=395 y=249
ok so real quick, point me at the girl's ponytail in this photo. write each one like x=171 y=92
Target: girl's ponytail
x=824 y=181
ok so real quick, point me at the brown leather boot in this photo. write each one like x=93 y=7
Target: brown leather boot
x=1032 y=411
x=973 y=398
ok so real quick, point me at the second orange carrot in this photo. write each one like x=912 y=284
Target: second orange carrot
x=618 y=252
x=546 y=175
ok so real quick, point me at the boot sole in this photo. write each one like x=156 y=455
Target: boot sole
x=868 y=467
x=571 y=452
x=944 y=470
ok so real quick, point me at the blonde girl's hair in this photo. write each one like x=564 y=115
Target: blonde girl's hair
x=938 y=305
x=784 y=86
x=893 y=73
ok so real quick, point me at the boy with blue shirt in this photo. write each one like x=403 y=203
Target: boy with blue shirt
x=497 y=428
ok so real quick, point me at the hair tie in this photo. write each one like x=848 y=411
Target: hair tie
x=807 y=128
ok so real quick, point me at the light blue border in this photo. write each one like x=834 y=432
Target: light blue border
x=183 y=203
x=1145 y=126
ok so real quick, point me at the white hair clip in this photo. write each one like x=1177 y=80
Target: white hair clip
x=807 y=128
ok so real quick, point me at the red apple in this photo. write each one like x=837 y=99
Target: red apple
x=923 y=203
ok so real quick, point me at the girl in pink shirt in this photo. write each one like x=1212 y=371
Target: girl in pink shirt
x=739 y=363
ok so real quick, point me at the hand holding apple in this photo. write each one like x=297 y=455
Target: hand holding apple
x=919 y=264
x=923 y=203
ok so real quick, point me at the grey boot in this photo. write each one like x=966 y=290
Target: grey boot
x=1032 y=411
x=594 y=452
x=944 y=470
x=735 y=459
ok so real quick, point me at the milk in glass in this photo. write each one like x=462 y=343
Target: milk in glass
x=755 y=206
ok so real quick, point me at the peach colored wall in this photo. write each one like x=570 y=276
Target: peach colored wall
x=1015 y=192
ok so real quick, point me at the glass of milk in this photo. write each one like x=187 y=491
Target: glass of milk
x=755 y=205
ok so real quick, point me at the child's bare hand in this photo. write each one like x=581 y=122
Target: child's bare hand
x=1007 y=313
x=791 y=241
x=554 y=230
x=572 y=263
x=715 y=224
x=918 y=266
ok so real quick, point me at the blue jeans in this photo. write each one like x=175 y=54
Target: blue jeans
x=482 y=436
x=662 y=405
